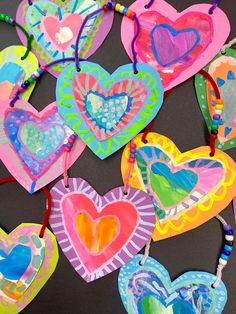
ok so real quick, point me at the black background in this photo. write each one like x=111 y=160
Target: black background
x=181 y=120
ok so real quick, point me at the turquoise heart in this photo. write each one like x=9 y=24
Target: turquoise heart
x=14 y=265
x=41 y=143
x=107 y=111
x=171 y=187
x=148 y=289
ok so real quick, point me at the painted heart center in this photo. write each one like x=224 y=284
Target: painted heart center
x=171 y=46
x=107 y=111
x=171 y=187
x=61 y=31
x=15 y=264
x=41 y=143
x=98 y=234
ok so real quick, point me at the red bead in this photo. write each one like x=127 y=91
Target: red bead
x=44 y=68
x=105 y=7
x=132 y=160
x=21 y=90
x=67 y=149
x=132 y=145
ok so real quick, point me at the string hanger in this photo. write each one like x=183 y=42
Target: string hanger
x=8 y=20
x=48 y=208
x=225 y=253
x=229 y=45
x=117 y=7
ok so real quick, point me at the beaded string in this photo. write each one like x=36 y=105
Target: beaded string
x=229 y=45
x=132 y=158
x=226 y=250
x=117 y=8
x=214 y=6
x=150 y=125
x=48 y=209
x=225 y=253
x=217 y=113
x=8 y=20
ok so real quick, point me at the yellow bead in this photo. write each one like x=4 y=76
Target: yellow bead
x=219 y=107
x=117 y=7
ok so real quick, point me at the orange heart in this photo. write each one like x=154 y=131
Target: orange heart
x=96 y=234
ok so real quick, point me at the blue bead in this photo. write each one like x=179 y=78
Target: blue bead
x=109 y=5
x=125 y=11
x=40 y=71
x=229 y=232
x=227 y=253
x=224 y=257
x=215 y=122
x=228 y=248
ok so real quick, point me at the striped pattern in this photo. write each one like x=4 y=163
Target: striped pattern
x=139 y=237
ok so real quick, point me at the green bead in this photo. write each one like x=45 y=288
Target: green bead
x=215 y=127
x=7 y=18
x=30 y=80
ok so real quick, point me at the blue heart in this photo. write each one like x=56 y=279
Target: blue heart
x=15 y=264
x=191 y=293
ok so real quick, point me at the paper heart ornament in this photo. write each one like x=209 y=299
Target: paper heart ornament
x=99 y=234
x=26 y=264
x=55 y=25
x=148 y=289
x=187 y=189
x=176 y=44
x=223 y=71
x=108 y=110
x=33 y=144
x=14 y=71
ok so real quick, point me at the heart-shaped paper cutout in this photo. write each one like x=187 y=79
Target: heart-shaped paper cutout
x=176 y=44
x=148 y=289
x=187 y=189
x=55 y=25
x=33 y=144
x=107 y=110
x=223 y=70
x=14 y=71
x=27 y=262
x=122 y=224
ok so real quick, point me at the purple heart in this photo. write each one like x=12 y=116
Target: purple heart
x=170 y=46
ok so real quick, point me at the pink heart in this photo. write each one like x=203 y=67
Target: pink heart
x=32 y=171
x=53 y=28
x=133 y=219
x=180 y=56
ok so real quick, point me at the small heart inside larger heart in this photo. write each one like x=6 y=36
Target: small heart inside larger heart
x=106 y=232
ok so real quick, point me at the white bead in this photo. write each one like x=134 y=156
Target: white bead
x=222 y=262
x=36 y=73
x=218 y=112
x=229 y=237
x=122 y=9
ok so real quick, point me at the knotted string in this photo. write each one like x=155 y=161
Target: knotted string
x=49 y=204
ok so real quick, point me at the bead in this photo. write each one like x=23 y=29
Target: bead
x=44 y=69
x=229 y=232
x=225 y=252
x=31 y=80
x=224 y=257
x=67 y=149
x=222 y=262
x=125 y=11
x=215 y=132
x=40 y=71
x=21 y=90
x=229 y=237
x=219 y=101
x=109 y=5
x=122 y=9
x=132 y=16
x=117 y=7
x=219 y=107
x=133 y=150
x=227 y=227
x=105 y=8
x=219 y=112
x=228 y=248
x=216 y=117
x=131 y=160
x=132 y=155
x=214 y=127
x=73 y=137
x=133 y=145
x=27 y=83
x=215 y=122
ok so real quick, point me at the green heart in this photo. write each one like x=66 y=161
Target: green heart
x=151 y=305
x=41 y=143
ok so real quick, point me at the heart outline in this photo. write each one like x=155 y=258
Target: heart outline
x=14 y=164
x=219 y=199
x=131 y=289
x=169 y=11
x=69 y=110
x=45 y=271
x=141 y=233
